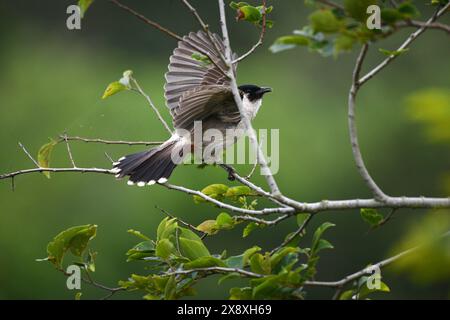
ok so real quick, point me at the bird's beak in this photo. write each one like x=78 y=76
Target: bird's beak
x=264 y=90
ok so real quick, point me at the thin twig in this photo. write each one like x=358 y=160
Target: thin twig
x=261 y=35
x=150 y=102
x=293 y=235
x=29 y=155
x=147 y=21
x=405 y=44
x=109 y=157
x=69 y=151
x=367 y=270
x=103 y=141
x=420 y=24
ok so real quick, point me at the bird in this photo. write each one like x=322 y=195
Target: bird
x=196 y=90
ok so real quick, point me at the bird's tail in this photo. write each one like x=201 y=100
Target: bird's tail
x=148 y=167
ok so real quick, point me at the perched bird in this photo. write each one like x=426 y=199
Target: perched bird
x=195 y=90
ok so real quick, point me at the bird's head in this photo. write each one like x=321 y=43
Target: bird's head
x=253 y=92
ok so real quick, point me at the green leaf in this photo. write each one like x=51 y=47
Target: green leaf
x=208 y=226
x=289 y=42
x=394 y=52
x=237 y=5
x=164 y=248
x=408 y=10
x=323 y=244
x=192 y=249
x=347 y=295
x=241 y=293
x=215 y=191
x=113 y=88
x=357 y=9
x=44 y=155
x=325 y=21
x=364 y=290
x=249 y=13
x=248 y=254
x=371 y=216
x=280 y=254
x=74 y=239
x=90 y=263
x=318 y=234
x=166 y=229
x=266 y=288
x=390 y=15
x=204 y=262
x=260 y=264
x=241 y=260
x=141 y=250
x=239 y=191
x=228 y=276
x=170 y=289
x=138 y=234
x=249 y=228
x=225 y=221
x=84 y=5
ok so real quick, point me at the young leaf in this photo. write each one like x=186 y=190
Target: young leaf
x=113 y=88
x=239 y=191
x=44 y=155
x=325 y=21
x=164 y=248
x=289 y=42
x=215 y=191
x=318 y=234
x=249 y=228
x=204 y=262
x=260 y=264
x=192 y=249
x=138 y=234
x=225 y=221
x=74 y=239
x=371 y=216
x=208 y=226
x=84 y=5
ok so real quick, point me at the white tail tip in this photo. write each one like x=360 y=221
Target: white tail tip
x=130 y=183
x=162 y=180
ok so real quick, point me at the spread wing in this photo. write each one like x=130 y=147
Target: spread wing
x=190 y=68
x=208 y=102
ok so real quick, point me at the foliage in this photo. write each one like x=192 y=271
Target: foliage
x=333 y=30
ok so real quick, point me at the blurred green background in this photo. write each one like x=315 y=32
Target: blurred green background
x=51 y=80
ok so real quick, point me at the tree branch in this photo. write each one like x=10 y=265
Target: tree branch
x=103 y=141
x=147 y=21
x=275 y=191
x=367 y=270
x=376 y=191
x=150 y=102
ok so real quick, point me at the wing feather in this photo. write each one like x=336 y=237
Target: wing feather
x=186 y=73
